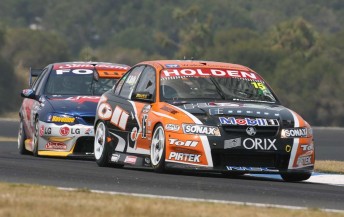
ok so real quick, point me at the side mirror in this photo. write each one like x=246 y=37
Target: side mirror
x=28 y=93
x=142 y=96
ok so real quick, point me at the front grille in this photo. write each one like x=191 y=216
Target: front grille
x=89 y=120
x=271 y=160
x=84 y=145
x=262 y=131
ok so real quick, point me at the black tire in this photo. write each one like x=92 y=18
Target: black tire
x=35 y=138
x=158 y=149
x=295 y=177
x=21 y=139
x=235 y=174
x=101 y=146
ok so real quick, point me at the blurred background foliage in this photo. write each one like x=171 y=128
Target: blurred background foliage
x=296 y=45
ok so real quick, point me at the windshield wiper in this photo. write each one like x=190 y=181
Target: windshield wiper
x=218 y=88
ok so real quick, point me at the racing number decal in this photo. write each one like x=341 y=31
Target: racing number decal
x=144 y=125
x=119 y=118
x=258 y=85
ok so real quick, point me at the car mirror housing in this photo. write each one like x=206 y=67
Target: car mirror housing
x=28 y=93
x=142 y=96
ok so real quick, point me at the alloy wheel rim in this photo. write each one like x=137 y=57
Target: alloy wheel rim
x=20 y=134
x=35 y=137
x=157 y=146
x=99 y=140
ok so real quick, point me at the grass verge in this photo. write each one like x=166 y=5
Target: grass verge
x=31 y=200
x=8 y=139
x=329 y=166
x=10 y=115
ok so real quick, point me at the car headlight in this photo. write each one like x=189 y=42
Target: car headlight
x=298 y=132
x=61 y=118
x=201 y=129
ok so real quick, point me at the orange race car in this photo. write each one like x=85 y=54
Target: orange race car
x=201 y=115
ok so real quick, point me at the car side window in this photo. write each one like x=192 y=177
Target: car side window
x=129 y=82
x=37 y=85
x=41 y=82
x=147 y=82
x=38 y=80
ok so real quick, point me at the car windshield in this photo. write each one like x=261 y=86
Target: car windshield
x=77 y=83
x=219 y=84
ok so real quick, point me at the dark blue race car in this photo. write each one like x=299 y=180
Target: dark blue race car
x=58 y=112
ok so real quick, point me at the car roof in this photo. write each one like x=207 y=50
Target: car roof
x=164 y=64
x=104 y=69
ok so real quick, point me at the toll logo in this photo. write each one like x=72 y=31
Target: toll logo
x=187 y=143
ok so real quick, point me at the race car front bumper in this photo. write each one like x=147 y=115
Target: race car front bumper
x=65 y=140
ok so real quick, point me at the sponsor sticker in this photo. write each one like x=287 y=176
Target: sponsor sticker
x=75 y=131
x=177 y=156
x=259 y=144
x=44 y=131
x=142 y=95
x=232 y=143
x=41 y=130
x=201 y=129
x=130 y=159
x=248 y=121
x=304 y=160
x=89 y=131
x=83 y=99
x=187 y=143
x=56 y=146
x=64 y=131
x=288 y=148
x=61 y=119
x=251 y=169
x=294 y=133
x=309 y=147
x=172 y=127
x=115 y=157
x=86 y=65
x=194 y=72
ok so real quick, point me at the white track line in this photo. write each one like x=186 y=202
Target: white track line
x=266 y=205
x=320 y=178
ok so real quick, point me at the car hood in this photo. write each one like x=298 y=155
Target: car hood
x=223 y=113
x=74 y=105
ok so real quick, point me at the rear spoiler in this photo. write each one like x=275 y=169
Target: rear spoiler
x=34 y=73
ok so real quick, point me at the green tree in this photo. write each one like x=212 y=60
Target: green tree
x=8 y=85
x=34 y=48
x=246 y=47
x=295 y=36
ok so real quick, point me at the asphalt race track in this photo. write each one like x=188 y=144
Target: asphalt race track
x=86 y=174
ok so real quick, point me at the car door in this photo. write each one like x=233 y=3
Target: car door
x=130 y=116
x=124 y=123
x=146 y=87
x=31 y=106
